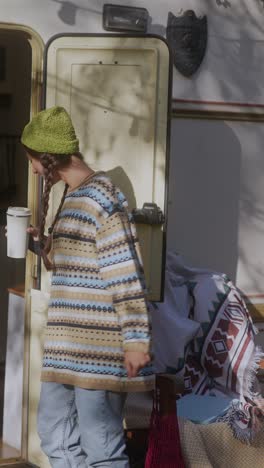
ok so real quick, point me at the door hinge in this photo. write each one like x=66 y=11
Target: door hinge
x=34 y=271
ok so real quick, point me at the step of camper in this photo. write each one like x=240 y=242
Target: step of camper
x=15 y=465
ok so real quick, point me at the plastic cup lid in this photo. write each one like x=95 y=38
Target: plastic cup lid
x=18 y=211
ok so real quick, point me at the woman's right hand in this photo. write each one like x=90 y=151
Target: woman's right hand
x=34 y=232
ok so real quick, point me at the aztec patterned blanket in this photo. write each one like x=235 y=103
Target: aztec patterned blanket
x=214 y=347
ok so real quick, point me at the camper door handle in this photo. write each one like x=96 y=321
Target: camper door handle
x=149 y=214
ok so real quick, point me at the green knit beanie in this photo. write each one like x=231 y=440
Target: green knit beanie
x=51 y=131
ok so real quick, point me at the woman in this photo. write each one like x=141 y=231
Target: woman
x=97 y=337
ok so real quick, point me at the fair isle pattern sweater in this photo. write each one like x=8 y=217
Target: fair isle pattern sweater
x=97 y=307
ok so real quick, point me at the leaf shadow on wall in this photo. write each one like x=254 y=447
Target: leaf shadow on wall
x=68 y=11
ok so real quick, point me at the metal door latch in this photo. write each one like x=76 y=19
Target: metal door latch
x=149 y=214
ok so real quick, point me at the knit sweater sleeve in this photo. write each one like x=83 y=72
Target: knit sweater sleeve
x=121 y=268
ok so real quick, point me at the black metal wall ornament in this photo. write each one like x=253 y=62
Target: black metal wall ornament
x=187 y=36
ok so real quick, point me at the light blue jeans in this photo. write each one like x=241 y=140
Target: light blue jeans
x=81 y=428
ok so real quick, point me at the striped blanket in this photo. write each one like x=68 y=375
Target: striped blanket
x=214 y=350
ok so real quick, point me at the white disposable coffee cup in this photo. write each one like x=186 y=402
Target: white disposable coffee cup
x=18 y=220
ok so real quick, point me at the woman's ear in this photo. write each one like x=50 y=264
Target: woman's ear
x=75 y=160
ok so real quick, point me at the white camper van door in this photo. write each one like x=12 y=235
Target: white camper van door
x=116 y=90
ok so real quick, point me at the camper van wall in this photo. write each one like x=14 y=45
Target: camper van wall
x=214 y=170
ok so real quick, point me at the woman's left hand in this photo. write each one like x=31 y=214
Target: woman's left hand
x=134 y=361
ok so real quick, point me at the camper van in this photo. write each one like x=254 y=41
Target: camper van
x=167 y=97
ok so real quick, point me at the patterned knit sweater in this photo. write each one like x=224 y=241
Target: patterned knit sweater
x=97 y=308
